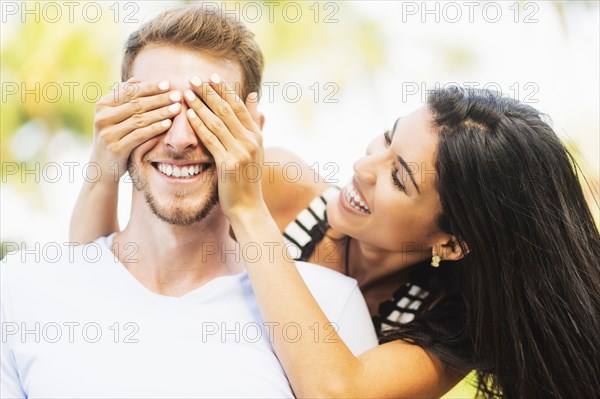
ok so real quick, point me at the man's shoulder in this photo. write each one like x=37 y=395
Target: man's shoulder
x=343 y=304
x=331 y=289
x=324 y=277
x=46 y=262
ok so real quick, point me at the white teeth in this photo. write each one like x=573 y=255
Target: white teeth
x=180 y=172
x=355 y=200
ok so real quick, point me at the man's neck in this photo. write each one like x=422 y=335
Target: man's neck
x=174 y=260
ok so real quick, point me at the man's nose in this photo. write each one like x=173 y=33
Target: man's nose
x=181 y=136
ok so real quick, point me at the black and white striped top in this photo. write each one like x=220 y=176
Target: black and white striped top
x=308 y=229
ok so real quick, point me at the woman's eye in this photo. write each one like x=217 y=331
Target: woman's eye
x=396 y=181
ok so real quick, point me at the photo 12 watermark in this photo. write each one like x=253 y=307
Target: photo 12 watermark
x=52 y=92
x=253 y=332
x=92 y=172
x=67 y=252
x=453 y=12
x=53 y=332
x=251 y=12
x=526 y=92
x=54 y=12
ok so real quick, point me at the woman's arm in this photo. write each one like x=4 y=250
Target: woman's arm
x=133 y=113
x=327 y=368
x=315 y=368
x=95 y=212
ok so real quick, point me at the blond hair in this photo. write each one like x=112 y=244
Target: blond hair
x=203 y=30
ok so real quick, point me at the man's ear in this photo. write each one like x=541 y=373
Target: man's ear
x=451 y=248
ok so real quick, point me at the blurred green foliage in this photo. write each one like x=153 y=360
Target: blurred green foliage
x=56 y=70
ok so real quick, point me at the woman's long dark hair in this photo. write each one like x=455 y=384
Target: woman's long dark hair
x=526 y=297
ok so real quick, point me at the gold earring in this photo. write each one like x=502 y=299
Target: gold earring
x=435 y=258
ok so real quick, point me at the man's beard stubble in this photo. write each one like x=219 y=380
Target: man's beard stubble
x=176 y=215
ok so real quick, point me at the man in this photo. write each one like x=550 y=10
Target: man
x=163 y=308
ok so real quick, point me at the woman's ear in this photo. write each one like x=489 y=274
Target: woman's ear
x=451 y=249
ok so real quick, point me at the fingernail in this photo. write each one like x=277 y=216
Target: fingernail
x=174 y=107
x=190 y=112
x=215 y=78
x=131 y=79
x=166 y=123
x=164 y=85
x=253 y=97
x=175 y=96
x=189 y=95
x=196 y=81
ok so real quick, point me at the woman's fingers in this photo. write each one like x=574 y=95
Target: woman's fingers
x=210 y=141
x=133 y=113
x=210 y=121
x=216 y=115
x=218 y=107
x=141 y=120
x=236 y=104
x=139 y=136
x=139 y=106
x=133 y=89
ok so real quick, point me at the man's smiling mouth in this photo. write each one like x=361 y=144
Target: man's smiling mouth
x=181 y=171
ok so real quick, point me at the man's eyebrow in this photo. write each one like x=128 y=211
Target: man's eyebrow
x=405 y=166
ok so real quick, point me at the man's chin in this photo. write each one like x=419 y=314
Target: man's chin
x=179 y=213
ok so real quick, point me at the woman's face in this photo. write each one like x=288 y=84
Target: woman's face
x=391 y=202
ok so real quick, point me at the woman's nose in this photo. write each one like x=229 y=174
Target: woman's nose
x=365 y=168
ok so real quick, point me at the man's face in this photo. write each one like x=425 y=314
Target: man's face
x=155 y=164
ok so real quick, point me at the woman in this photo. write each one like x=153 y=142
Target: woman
x=474 y=181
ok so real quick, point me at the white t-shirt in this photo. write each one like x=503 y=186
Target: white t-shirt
x=78 y=325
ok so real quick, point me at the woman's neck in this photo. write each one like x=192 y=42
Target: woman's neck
x=372 y=266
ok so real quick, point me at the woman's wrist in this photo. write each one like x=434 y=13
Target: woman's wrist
x=250 y=216
x=104 y=187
